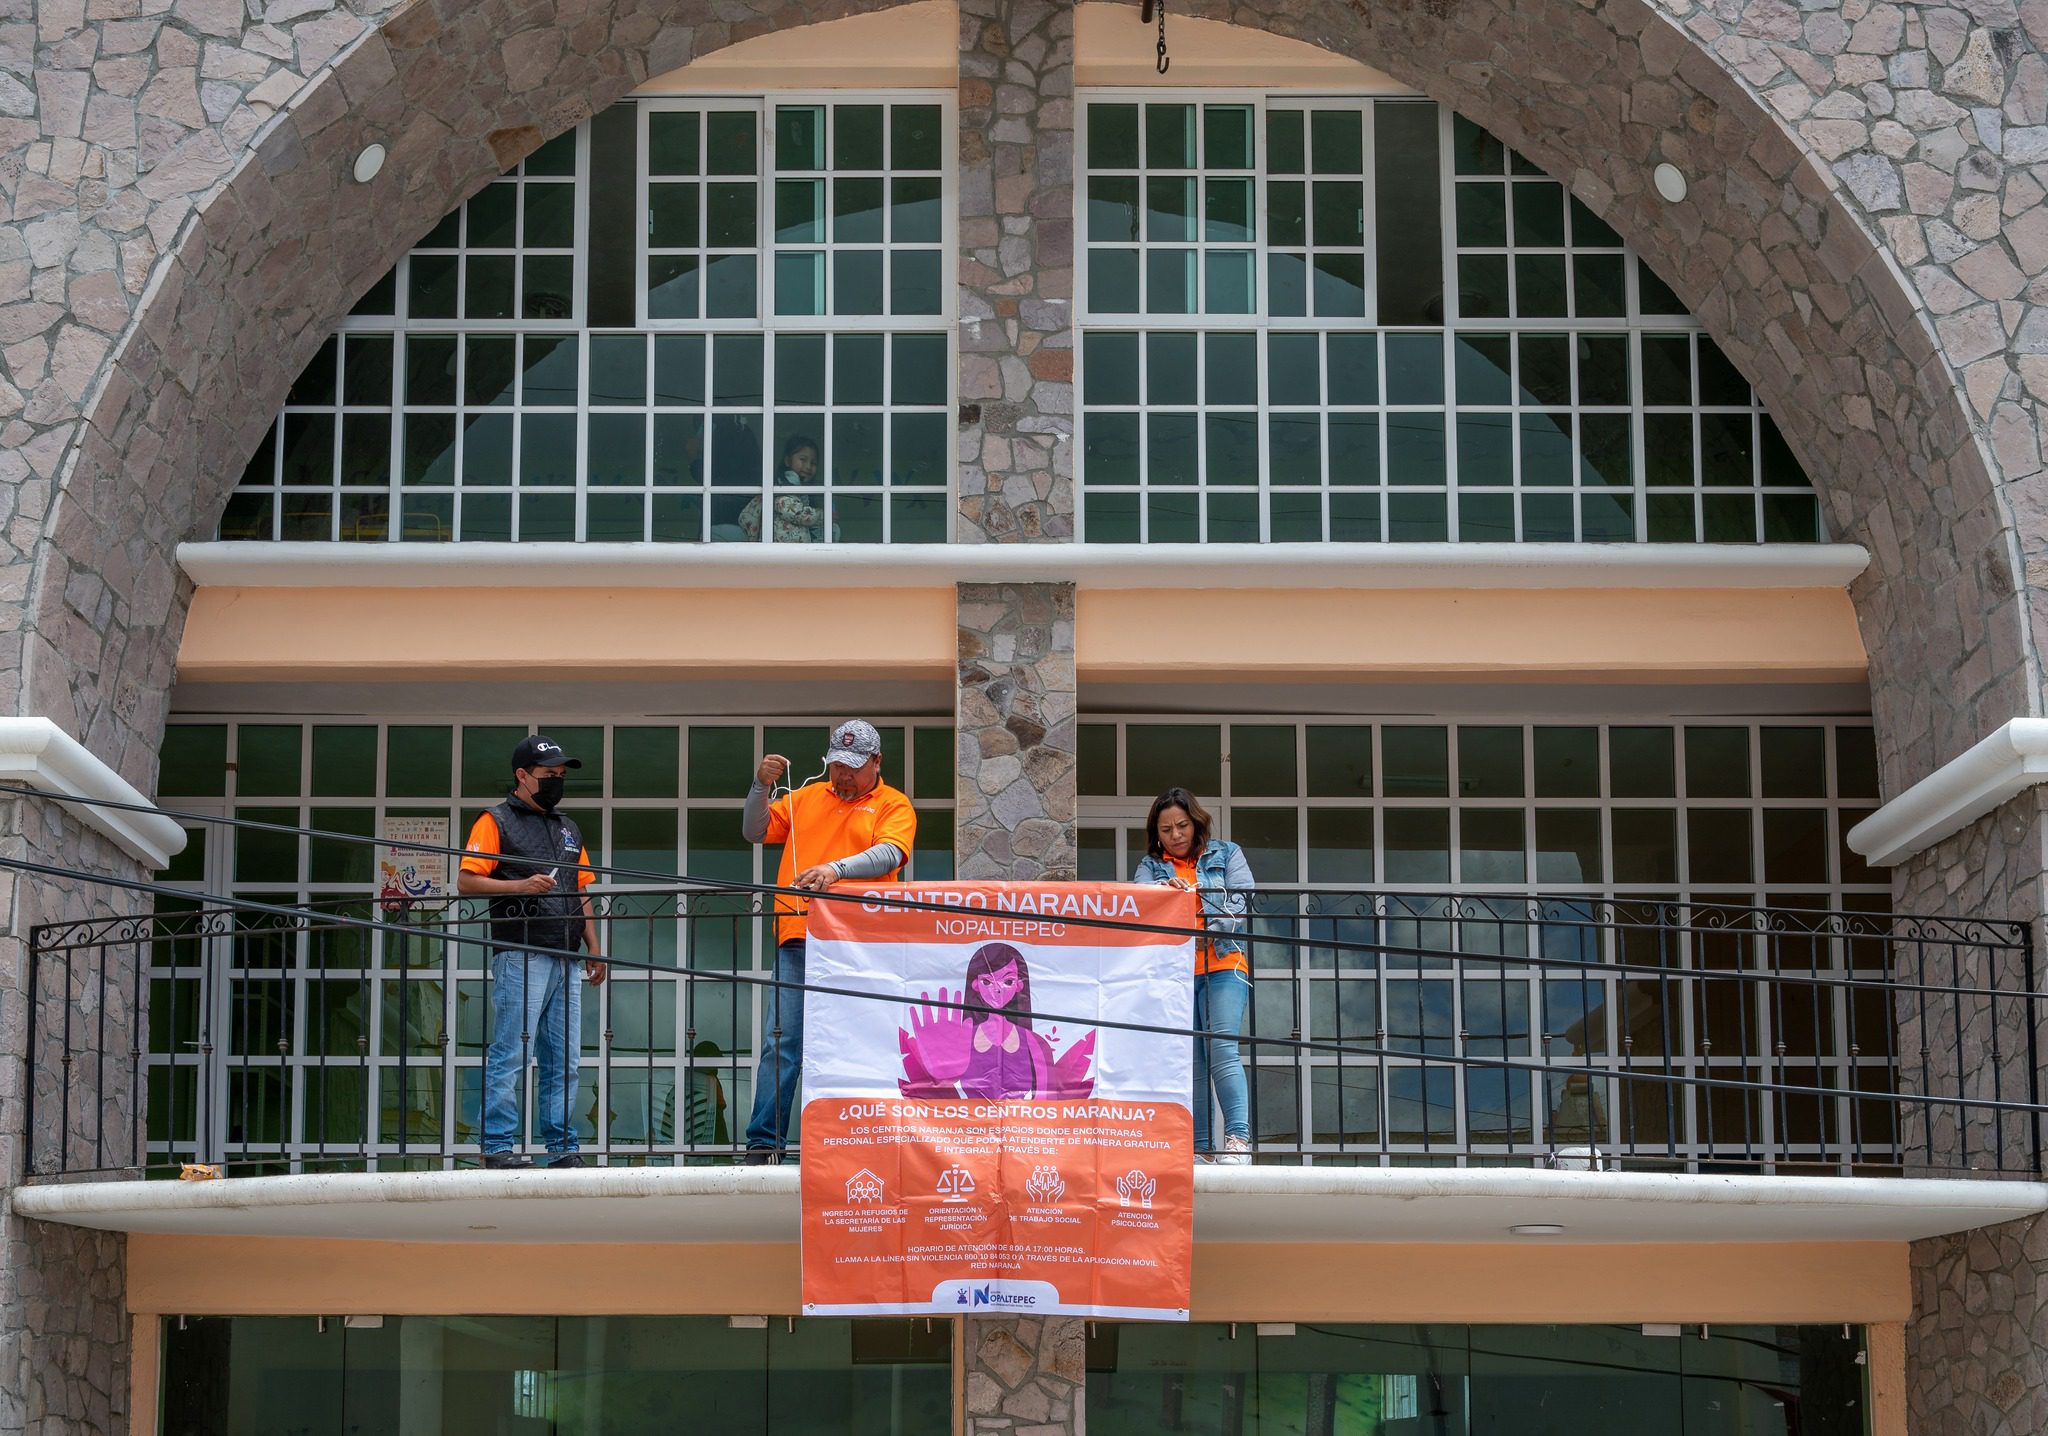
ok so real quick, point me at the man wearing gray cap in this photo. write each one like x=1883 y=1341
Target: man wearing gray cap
x=851 y=825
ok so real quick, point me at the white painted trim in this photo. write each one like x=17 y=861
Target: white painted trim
x=1357 y=1204
x=843 y=566
x=36 y=753
x=1956 y=794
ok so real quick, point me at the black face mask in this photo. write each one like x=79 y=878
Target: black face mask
x=547 y=792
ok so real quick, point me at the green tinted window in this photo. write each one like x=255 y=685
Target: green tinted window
x=934 y=762
x=194 y=761
x=1717 y=762
x=487 y=760
x=645 y=840
x=418 y=761
x=344 y=760
x=1262 y=761
x=1417 y=762
x=1489 y=762
x=1339 y=761
x=1096 y=760
x=722 y=762
x=645 y=762
x=1162 y=756
x=267 y=759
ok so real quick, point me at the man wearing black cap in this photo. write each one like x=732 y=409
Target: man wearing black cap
x=530 y=862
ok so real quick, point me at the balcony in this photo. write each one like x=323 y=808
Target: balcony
x=1387 y=1030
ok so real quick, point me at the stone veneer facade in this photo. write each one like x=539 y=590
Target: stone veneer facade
x=1016 y=695
x=1866 y=235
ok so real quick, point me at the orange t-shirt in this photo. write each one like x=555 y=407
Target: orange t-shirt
x=483 y=838
x=1207 y=958
x=827 y=829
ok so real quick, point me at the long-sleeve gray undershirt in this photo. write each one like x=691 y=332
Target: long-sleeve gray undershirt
x=873 y=863
x=754 y=817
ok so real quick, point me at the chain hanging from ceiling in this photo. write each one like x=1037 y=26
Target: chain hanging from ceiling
x=1145 y=17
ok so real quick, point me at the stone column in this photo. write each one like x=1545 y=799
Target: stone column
x=1014 y=714
x=1016 y=271
x=1016 y=698
x=1026 y=1375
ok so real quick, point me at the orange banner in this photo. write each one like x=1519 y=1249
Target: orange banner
x=974 y=912
x=988 y=1125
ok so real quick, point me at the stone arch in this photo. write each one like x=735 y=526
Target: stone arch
x=1776 y=256
x=264 y=269
x=1768 y=249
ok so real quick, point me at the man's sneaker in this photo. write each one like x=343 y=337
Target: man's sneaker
x=568 y=1159
x=761 y=1157
x=1237 y=1152
x=507 y=1161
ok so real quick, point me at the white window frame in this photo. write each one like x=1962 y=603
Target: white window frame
x=1633 y=325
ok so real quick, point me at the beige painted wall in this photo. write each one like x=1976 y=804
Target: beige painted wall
x=1627 y=635
x=1763 y=1282
x=916 y=47
x=1620 y=635
x=396 y=635
x=910 y=47
x=1112 y=47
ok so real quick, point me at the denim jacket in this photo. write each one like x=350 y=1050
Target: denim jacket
x=1223 y=876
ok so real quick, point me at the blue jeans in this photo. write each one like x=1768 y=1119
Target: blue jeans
x=782 y=1051
x=1220 y=1001
x=537 y=1017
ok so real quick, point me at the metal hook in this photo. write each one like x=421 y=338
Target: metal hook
x=1164 y=64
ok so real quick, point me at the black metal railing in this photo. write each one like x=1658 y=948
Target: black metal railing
x=1385 y=1028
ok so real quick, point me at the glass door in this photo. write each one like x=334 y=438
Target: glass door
x=185 y=1102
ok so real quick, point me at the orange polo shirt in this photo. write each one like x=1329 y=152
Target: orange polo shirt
x=814 y=826
x=1207 y=958
x=483 y=838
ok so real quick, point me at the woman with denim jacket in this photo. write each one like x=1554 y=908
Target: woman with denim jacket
x=1180 y=852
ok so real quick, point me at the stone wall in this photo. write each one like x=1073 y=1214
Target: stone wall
x=1955 y=1036
x=1977 y=1344
x=1015 y=712
x=63 y=1334
x=1016 y=271
x=1026 y=1375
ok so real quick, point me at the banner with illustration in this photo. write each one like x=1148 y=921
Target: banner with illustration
x=1033 y=1159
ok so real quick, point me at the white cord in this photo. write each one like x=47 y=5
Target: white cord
x=795 y=867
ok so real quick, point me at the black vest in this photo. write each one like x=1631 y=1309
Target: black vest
x=532 y=842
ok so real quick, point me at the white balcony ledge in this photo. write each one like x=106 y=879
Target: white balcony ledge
x=1985 y=777
x=1114 y=566
x=1251 y=1204
x=36 y=753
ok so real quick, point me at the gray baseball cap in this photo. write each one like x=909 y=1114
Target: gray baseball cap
x=853 y=743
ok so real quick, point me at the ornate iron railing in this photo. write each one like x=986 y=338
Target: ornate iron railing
x=1384 y=1028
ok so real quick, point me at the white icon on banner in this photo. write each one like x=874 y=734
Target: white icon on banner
x=1135 y=1189
x=956 y=1184
x=864 y=1186
x=1045 y=1185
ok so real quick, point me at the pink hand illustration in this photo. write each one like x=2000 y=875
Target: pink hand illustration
x=1070 y=1072
x=941 y=1039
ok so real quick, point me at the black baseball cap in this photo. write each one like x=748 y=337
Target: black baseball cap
x=541 y=751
